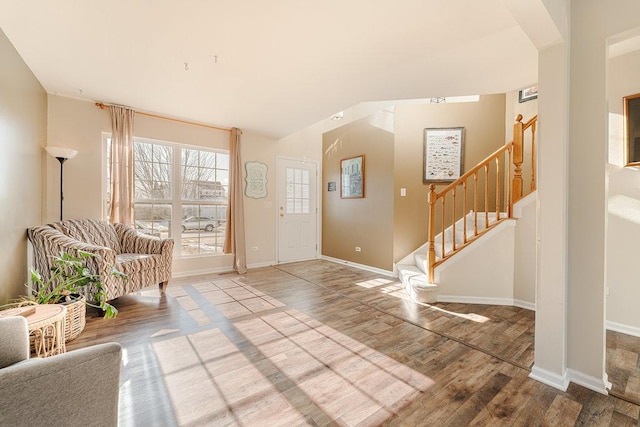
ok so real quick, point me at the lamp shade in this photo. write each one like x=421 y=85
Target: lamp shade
x=61 y=152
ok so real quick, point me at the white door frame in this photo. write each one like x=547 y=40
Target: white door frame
x=279 y=187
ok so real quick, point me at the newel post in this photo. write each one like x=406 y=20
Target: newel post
x=518 y=157
x=432 y=232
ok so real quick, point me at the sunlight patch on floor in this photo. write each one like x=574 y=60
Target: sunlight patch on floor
x=374 y=283
x=396 y=289
x=468 y=316
x=210 y=381
x=325 y=363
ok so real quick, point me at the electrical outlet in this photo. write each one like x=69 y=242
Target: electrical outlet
x=358 y=249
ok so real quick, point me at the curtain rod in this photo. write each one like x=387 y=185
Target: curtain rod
x=102 y=106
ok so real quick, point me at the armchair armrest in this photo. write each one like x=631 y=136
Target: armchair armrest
x=136 y=243
x=15 y=340
x=76 y=388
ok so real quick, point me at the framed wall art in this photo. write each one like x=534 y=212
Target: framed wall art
x=352 y=178
x=256 y=180
x=632 y=129
x=528 y=94
x=443 y=154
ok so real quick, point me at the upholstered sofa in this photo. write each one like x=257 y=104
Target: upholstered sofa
x=143 y=259
x=78 y=388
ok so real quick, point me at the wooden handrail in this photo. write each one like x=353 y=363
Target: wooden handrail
x=507 y=180
x=473 y=170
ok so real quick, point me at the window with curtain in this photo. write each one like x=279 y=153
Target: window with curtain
x=179 y=191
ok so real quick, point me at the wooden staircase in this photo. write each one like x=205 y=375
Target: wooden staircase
x=470 y=207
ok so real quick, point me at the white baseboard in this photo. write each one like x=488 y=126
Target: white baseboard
x=624 y=329
x=487 y=300
x=561 y=382
x=524 y=304
x=475 y=300
x=360 y=266
x=261 y=264
x=215 y=270
x=599 y=385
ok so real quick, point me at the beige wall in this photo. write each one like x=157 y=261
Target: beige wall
x=484 y=133
x=23 y=122
x=79 y=125
x=623 y=226
x=364 y=222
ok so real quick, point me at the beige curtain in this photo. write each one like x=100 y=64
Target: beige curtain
x=121 y=167
x=234 y=240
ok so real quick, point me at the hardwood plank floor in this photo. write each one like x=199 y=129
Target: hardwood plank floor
x=318 y=343
x=623 y=365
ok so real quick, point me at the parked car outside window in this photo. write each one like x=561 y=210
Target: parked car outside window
x=144 y=229
x=199 y=223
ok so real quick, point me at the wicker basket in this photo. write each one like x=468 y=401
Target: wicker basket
x=75 y=320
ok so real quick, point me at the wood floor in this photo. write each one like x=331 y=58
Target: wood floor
x=623 y=365
x=318 y=343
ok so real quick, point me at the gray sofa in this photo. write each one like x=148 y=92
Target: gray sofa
x=145 y=260
x=79 y=388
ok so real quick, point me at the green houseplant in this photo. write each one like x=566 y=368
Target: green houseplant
x=71 y=276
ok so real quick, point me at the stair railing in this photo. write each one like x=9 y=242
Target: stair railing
x=501 y=170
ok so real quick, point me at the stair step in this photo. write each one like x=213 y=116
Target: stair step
x=416 y=284
x=422 y=261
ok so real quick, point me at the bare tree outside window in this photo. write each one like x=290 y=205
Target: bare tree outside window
x=205 y=183
x=153 y=171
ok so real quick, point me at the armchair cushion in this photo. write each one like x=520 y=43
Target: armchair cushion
x=76 y=388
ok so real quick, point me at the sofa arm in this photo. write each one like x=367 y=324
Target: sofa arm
x=76 y=388
x=14 y=334
x=135 y=243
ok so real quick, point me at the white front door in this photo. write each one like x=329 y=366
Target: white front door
x=297 y=210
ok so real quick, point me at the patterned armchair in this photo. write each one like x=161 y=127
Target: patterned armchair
x=145 y=260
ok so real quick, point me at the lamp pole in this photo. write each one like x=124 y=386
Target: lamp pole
x=62 y=154
x=61 y=160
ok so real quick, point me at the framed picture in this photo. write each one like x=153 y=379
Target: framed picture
x=352 y=178
x=528 y=94
x=443 y=154
x=632 y=129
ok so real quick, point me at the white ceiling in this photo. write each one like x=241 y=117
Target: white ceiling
x=282 y=65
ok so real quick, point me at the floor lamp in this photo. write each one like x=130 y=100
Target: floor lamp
x=62 y=154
